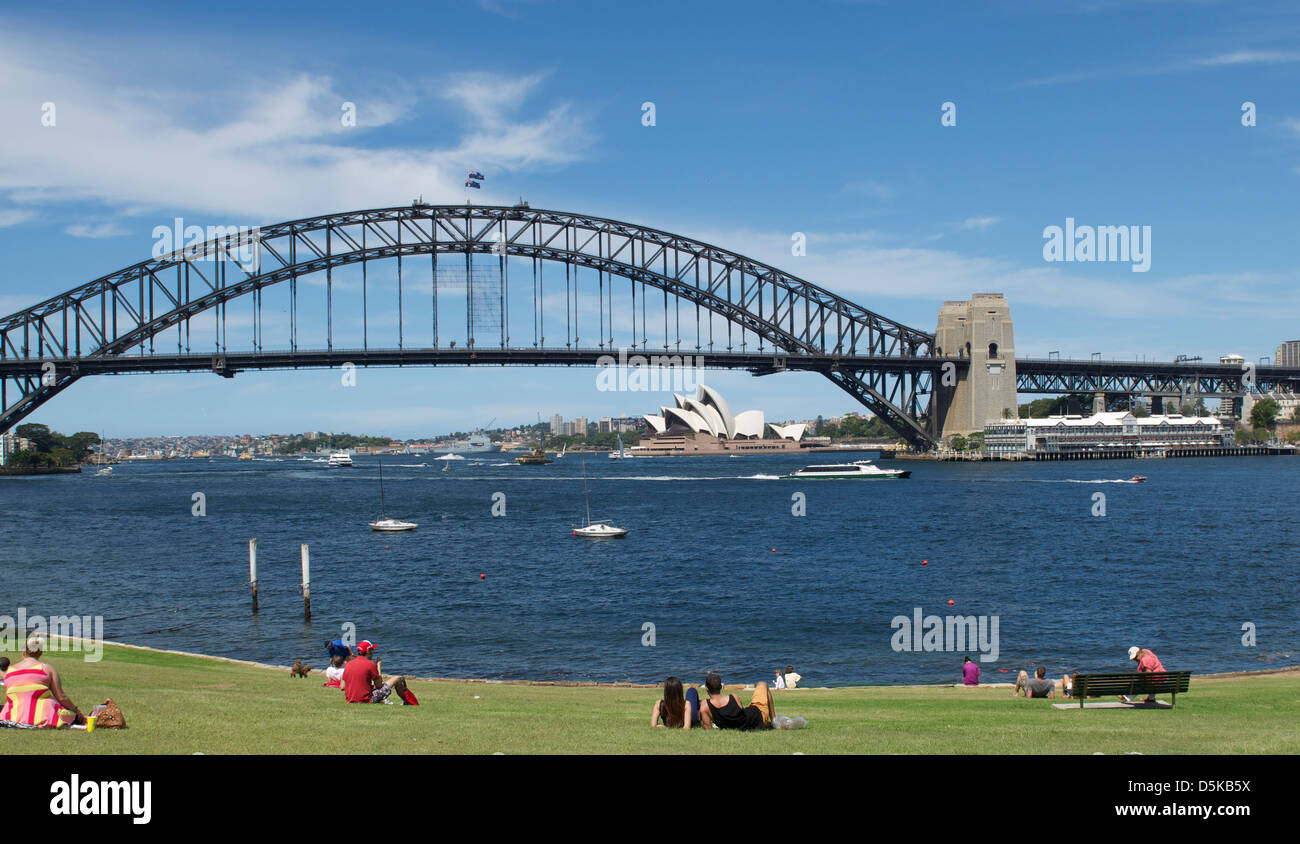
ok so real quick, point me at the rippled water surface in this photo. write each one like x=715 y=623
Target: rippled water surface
x=715 y=560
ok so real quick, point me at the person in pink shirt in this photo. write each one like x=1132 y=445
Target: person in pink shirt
x=1146 y=661
x=970 y=673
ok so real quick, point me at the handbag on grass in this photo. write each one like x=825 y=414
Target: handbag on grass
x=108 y=714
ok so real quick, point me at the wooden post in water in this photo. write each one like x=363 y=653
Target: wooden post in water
x=252 y=570
x=306 y=583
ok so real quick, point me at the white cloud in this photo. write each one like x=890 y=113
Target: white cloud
x=97 y=229
x=278 y=152
x=980 y=222
x=1248 y=57
x=14 y=216
x=871 y=189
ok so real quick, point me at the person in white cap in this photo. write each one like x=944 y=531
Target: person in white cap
x=1147 y=661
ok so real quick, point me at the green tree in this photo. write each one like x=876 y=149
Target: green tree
x=1139 y=410
x=1264 y=413
x=40 y=435
x=958 y=442
x=976 y=442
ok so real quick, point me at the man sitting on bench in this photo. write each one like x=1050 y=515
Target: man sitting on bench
x=1147 y=661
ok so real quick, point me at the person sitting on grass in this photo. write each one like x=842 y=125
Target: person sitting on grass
x=673 y=710
x=970 y=673
x=1040 y=686
x=1022 y=679
x=779 y=681
x=1147 y=661
x=334 y=673
x=362 y=681
x=34 y=693
x=339 y=648
x=791 y=678
x=726 y=713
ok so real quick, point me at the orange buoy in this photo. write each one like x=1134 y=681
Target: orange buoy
x=773 y=550
x=925 y=562
x=951 y=602
x=484 y=577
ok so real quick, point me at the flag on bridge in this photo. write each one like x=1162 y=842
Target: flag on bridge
x=470 y=183
x=474 y=174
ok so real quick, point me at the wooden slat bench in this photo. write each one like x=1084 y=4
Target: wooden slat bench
x=1145 y=683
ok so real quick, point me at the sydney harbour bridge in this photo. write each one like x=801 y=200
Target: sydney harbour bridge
x=470 y=285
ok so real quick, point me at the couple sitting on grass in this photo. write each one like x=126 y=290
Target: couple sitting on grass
x=721 y=711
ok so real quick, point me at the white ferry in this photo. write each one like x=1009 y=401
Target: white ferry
x=340 y=458
x=841 y=471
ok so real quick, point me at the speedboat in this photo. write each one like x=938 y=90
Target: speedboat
x=864 y=469
x=340 y=458
x=1137 y=479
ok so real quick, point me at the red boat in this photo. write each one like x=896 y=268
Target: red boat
x=1137 y=479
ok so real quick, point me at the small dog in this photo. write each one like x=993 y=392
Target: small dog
x=299 y=670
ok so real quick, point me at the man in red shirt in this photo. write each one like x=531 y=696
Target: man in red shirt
x=1147 y=661
x=362 y=681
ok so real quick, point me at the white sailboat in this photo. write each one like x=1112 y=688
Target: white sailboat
x=563 y=449
x=386 y=524
x=104 y=470
x=621 y=454
x=596 y=530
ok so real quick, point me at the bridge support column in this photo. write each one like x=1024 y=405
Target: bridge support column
x=981 y=331
x=1099 y=403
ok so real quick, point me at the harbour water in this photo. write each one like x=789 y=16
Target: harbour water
x=715 y=560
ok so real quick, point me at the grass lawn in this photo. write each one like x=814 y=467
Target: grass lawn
x=185 y=704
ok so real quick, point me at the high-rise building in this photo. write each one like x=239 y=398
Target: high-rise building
x=557 y=425
x=605 y=425
x=580 y=426
x=1287 y=354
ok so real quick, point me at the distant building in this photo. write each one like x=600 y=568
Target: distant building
x=604 y=425
x=1226 y=405
x=557 y=425
x=705 y=425
x=1287 y=354
x=1116 y=431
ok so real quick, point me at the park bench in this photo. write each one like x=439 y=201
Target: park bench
x=1144 y=683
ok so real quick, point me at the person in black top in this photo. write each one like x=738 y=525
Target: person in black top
x=725 y=711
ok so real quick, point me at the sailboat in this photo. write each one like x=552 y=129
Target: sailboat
x=103 y=470
x=596 y=530
x=563 y=449
x=621 y=454
x=386 y=524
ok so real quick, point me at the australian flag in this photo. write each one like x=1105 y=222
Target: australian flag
x=474 y=174
x=470 y=183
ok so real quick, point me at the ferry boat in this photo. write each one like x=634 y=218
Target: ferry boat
x=340 y=459
x=536 y=457
x=864 y=469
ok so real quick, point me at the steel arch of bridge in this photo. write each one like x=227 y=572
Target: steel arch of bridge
x=115 y=323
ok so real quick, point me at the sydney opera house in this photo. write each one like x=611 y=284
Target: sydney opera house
x=706 y=425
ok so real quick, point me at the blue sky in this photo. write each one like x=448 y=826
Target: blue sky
x=769 y=120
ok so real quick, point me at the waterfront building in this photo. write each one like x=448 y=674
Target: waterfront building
x=705 y=425
x=1100 y=433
